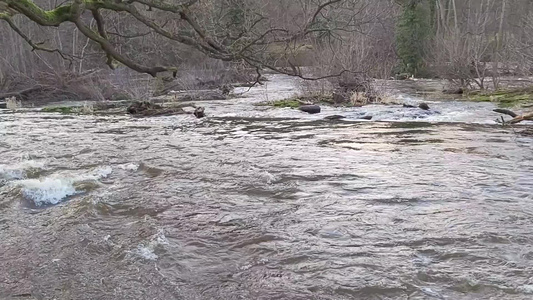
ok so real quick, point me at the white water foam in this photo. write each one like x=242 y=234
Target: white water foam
x=19 y=170
x=146 y=251
x=129 y=167
x=47 y=190
x=526 y=289
x=54 y=188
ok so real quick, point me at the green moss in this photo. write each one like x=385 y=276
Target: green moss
x=59 y=109
x=60 y=13
x=52 y=17
x=505 y=98
x=290 y=103
x=296 y=102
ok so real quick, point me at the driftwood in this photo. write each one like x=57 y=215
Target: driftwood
x=506 y=112
x=516 y=118
x=148 y=109
x=521 y=118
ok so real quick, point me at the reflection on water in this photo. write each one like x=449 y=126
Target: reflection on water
x=266 y=204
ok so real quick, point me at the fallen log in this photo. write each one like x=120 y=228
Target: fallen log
x=148 y=109
x=516 y=117
x=506 y=112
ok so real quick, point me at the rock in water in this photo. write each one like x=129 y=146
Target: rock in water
x=199 y=112
x=423 y=106
x=409 y=106
x=366 y=118
x=457 y=91
x=334 y=117
x=312 y=109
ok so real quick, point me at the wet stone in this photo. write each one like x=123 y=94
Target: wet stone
x=311 y=109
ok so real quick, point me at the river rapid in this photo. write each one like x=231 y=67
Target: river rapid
x=255 y=202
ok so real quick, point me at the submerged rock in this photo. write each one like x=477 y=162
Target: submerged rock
x=334 y=117
x=366 y=118
x=409 y=106
x=312 y=109
x=423 y=106
x=3 y=105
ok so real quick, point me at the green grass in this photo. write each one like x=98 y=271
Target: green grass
x=85 y=109
x=505 y=98
x=296 y=102
x=290 y=103
x=61 y=109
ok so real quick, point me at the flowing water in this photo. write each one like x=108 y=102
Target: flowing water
x=262 y=203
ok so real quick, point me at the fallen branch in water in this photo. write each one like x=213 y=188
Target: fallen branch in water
x=506 y=112
x=516 y=118
x=521 y=118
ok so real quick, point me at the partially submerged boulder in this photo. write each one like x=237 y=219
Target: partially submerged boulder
x=423 y=106
x=311 y=109
x=334 y=117
x=199 y=112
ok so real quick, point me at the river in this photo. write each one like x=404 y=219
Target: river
x=255 y=202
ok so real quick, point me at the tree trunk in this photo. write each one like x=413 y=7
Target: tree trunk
x=498 y=51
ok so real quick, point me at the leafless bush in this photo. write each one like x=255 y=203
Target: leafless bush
x=321 y=87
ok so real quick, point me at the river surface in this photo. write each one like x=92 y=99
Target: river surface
x=262 y=203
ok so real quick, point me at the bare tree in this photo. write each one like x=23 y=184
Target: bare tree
x=229 y=30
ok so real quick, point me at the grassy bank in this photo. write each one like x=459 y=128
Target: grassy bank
x=298 y=101
x=518 y=97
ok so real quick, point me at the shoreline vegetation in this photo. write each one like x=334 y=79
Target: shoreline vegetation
x=78 y=58
x=171 y=104
x=510 y=97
